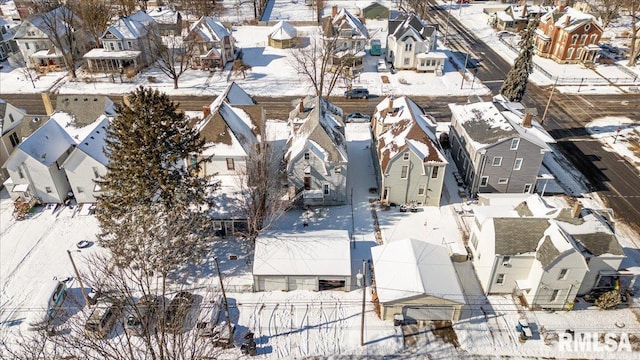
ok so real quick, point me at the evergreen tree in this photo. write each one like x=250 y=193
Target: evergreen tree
x=515 y=84
x=151 y=210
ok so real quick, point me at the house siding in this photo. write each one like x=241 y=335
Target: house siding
x=321 y=173
x=218 y=166
x=596 y=265
x=567 y=288
x=405 y=190
x=395 y=307
x=518 y=268
x=83 y=177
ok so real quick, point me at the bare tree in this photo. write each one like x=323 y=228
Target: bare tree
x=200 y=8
x=96 y=16
x=606 y=10
x=318 y=64
x=420 y=7
x=63 y=29
x=173 y=55
x=633 y=7
x=240 y=67
x=128 y=7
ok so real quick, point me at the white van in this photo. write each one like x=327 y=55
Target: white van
x=49 y=300
x=209 y=317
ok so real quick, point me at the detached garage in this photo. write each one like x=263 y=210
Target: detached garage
x=416 y=279
x=314 y=260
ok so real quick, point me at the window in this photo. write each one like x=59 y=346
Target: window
x=230 y=164
x=14 y=139
x=570 y=53
x=217 y=225
x=434 y=172
x=337 y=170
x=517 y=165
x=527 y=188
x=405 y=171
x=306 y=156
x=563 y=274
x=554 y=295
x=484 y=181
x=20 y=173
x=406 y=61
x=421 y=190
x=500 y=279
x=574 y=39
x=48 y=189
x=120 y=46
x=583 y=39
x=408 y=46
x=405 y=156
x=474 y=241
x=506 y=259
x=26 y=45
x=80 y=189
x=503 y=181
x=514 y=144
x=129 y=45
x=587 y=27
x=11 y=117
x=593 y=39
x=325 y=189
x=497 y=161
x=96 y=174
x=111 y=46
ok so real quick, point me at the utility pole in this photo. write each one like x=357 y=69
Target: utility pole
x=446 y=27
x=464 y=70
x=544 y=114
x=75 y=269
x=364 y=299
x=224 y=298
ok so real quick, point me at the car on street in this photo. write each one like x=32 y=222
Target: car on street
x=176 y=314
x=357 y=93
x=143 y=317
x=102 y=319
x=382 y=66
x=358 y=117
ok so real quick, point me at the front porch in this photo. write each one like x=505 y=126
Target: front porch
x=103 y=61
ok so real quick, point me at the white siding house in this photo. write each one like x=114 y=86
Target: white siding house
x=10 y=120
x=411 y=44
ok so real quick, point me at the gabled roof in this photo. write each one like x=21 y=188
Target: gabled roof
x=515 y=236
x=233 y=94
x=208 y=29
x=134 y=26
x=320 y=132
x=6 y=123
x=599 y=243
x=411 y=268
x=569 y=18
x=343 y=20
x=45 y=22
x=326 y=252
x=93 y=145
x=412 y=23
x=283 y=31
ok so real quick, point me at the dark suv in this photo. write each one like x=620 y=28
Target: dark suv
x=356 y=93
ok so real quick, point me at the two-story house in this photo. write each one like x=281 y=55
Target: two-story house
x=548 y=254
x=410 y=163
x=346 y=37
x=316 y=154
x=212 y=44
x=8 y=45
x=497 y=146
x=128 y=44
x=566 y=35
x=45 y=39
x=411 y=44
x=516 y=17
x=10 y=120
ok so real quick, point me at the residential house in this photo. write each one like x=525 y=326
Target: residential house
x=516 y=17
x=312 y=260
x=497 y=146
x=212 y=43
x=375 y=10
x=10 y=120
x=43 y=39
x=88 y=163
x=316 y=153
x=128 y=44
x=549 y=254
x=346 y=36
x=283 y=35
x=411 y=44
x=8 y=45
x=416 y=279
x=566 y=35
x=169 y=21
x=411 y=164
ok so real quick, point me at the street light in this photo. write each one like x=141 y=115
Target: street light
x=75 y=269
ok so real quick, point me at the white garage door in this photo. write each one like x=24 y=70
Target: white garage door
x=432 y=312
x=271 y=283
x=303 y=283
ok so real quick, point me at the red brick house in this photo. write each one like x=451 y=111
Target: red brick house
x=567 y=35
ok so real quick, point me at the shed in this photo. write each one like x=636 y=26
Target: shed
x=283 y=35
x=313 y=260
x=417 y=279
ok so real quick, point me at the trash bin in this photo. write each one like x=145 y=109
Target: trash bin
x=398 y=319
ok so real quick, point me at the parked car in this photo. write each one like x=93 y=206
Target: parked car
x=50 y=299
x=102 y=318
x=358 y=117
x=382 y=66
x=177 y=311
x=143 y=317
x=357 y=93
x=209 y=315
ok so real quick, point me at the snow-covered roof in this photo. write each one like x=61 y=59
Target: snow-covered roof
x=50 y=23
x=283 y=31
x=325 y=252
x=134 y=26
x=569 y=18
x=344 y=19
x=102 y=53
x=209 y=29
x=412 y=25
x=411 y=268
x=164 y=15
x=94 y=143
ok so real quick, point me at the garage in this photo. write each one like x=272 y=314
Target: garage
x=416 y=279
x=311 y=260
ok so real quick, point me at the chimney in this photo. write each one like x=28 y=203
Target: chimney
x=390 y=106
x=526 y=121
x=334 y=11
x=301 y=106
x=575 y=211
x=48 y=106
x=524 y=10
x=206 y=111
x=567 y=19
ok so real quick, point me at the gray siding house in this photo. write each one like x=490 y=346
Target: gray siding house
x=497 y=147
x=316 y=156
